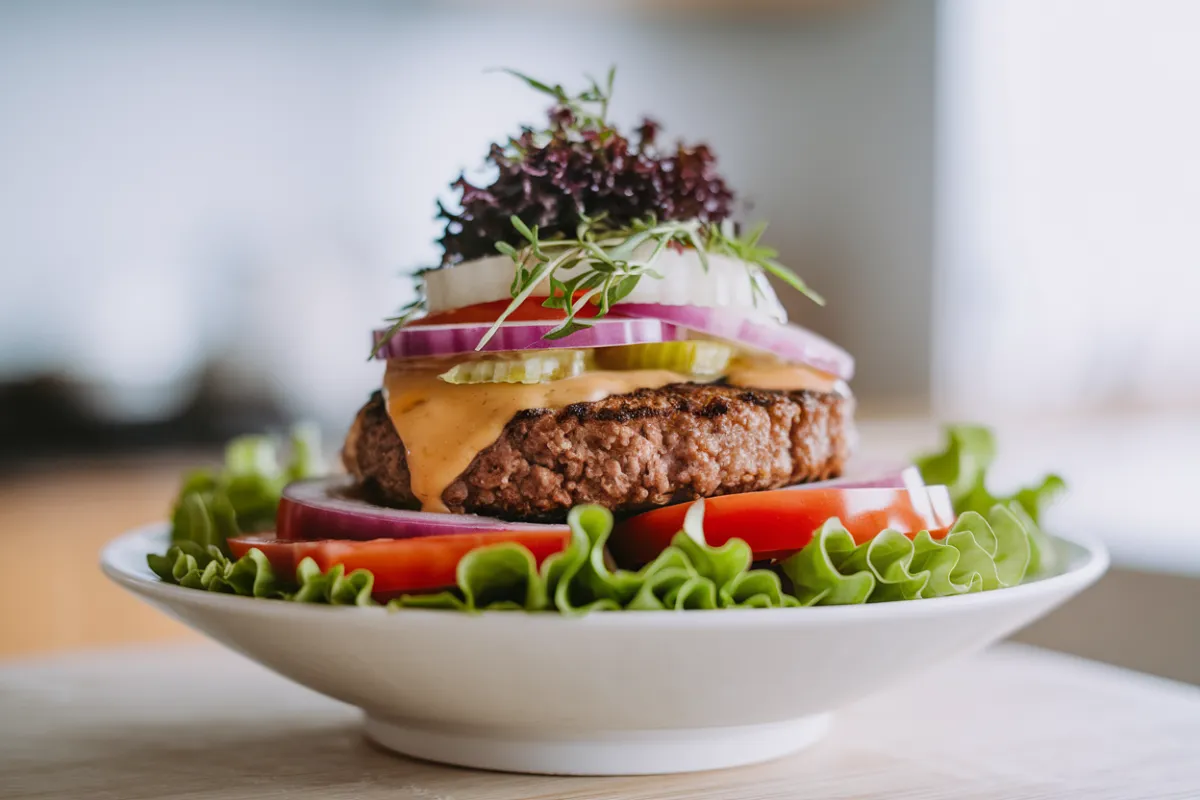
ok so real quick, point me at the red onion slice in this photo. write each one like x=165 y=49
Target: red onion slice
x=322 y=509
x=931 y=501
x=869 y=475
x=444 y=340
x=790 y=342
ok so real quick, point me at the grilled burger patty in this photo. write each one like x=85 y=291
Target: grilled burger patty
x=628 y=452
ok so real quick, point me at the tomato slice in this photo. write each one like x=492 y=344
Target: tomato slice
x=778 y=523
x=422 y=564
x=531 y=310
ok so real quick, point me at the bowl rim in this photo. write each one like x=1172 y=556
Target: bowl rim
x=123 y=560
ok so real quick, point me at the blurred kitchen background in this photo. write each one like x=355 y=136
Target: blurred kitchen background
x=206 y=206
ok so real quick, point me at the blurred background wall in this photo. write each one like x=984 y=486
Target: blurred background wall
x=1069 y=250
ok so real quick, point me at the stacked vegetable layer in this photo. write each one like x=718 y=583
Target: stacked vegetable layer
x=780 y=561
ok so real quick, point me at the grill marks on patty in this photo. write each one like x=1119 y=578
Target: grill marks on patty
x=629 y=452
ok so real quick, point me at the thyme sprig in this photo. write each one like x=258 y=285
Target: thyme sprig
x=747 y=249
x=581 y=105
x=405 y=315
x=606 y=265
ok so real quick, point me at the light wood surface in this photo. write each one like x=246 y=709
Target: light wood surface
x=199 y=723
x=57 y=516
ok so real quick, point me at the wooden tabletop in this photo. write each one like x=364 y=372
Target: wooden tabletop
x=196 y=722
x=57 y=515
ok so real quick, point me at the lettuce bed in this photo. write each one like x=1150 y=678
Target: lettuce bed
x=977 y=555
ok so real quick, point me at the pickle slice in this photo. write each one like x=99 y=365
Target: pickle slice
x=700 y=358
x=551 y=365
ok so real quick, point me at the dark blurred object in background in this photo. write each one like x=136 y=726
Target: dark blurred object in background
x=44 y=418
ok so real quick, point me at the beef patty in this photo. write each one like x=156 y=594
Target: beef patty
x=628 y=452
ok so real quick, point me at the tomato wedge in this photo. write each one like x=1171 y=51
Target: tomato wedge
x=423 y=564
x=778 y=523
x=531 y=310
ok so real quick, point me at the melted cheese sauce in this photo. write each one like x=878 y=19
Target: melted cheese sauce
x=444 y=426
x=783 y=378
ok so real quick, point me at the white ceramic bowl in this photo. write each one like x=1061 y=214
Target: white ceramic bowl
x=611 y=693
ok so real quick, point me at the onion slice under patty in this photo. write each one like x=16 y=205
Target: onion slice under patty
x=871 y=475
x=324 y=509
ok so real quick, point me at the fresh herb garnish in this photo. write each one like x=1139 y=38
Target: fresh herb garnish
x=606 y=265
x=747 y=249
x=608 y=270
x=579 y=105
x=405 y=315
x=581 y=167
x=587 y=211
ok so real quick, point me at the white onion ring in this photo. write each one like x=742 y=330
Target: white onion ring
x=871 y=476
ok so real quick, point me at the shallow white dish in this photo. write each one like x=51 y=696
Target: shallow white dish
x=609 y=694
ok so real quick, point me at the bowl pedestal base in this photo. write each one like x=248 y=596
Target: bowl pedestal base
x=643 y=752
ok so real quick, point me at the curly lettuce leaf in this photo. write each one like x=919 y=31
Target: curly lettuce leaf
x=207 y=567
x=978 y=554
x=963 y=465
x=243 y=495
x=335 y=587
x=689 y=574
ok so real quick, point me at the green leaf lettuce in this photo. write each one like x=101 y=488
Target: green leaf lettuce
x=243 y=495
x=978 y=554
x=193 y=566
x=963 y=465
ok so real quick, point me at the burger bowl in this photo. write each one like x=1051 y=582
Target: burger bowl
x=622 y=693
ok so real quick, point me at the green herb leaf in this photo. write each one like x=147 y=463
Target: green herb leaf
x=566 y=329
x=602 y=261
x=545 y=88
x=791 y=279
x=523 y=229
x=410 y=312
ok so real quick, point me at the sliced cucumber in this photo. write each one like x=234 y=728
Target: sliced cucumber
x=551 y=365
x=700 y=358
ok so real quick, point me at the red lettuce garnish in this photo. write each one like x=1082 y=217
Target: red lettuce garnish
x=580 y=166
